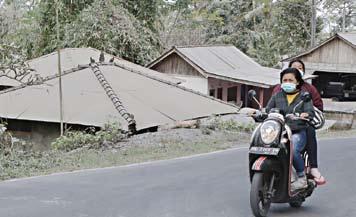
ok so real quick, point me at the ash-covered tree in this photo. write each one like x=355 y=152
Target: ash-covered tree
x=13 y=53
x=146 y=11
x=194 y=22
x=264 y=29
x=340 y=15
x=68 y=11
x=82 y=22
x=235 y=28
x=112 y=28
x=13 y=65
x=280 y=28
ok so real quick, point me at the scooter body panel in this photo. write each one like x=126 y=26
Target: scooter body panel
x=281 y=166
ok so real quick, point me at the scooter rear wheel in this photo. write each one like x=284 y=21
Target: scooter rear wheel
x=259 y=187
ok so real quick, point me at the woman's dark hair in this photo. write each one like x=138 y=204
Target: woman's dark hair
x=296 y=74
x=297 y=61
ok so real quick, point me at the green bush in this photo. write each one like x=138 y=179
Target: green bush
x=22 y=163
x=111 y=133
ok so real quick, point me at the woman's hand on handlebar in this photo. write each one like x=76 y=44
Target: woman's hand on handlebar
x=258 y=116
x=304 y=115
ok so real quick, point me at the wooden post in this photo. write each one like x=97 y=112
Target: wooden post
x=238 y=94
x=246 y=95
x=261 y=98
x=59 y=72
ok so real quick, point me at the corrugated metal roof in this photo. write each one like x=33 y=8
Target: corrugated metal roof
x=350 y=37
x=5 y=81
x=72 y=57
x=227 y=61
x=152 y=102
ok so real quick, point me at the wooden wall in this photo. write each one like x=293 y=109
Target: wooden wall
x=174 y=64
x=334 y=52
x=263 y=94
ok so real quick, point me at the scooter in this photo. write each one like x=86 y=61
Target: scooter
x=270 y=161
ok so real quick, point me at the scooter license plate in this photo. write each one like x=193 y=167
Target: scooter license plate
x=264 y=151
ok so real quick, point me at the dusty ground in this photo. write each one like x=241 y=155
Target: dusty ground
x=187 y=136
x=140 y=148
x=212 y=135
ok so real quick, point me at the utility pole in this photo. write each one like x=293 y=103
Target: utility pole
x=59 y=70
x=313 y=24
x=254 y=17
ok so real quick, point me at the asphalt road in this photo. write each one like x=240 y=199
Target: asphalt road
x=214 y=185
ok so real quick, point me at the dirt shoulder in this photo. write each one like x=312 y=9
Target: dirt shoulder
x=140 y=148
x=327 y=134
x=160 y=145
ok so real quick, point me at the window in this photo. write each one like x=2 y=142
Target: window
x=232 y=94
x=220 y=93
x=212 y=92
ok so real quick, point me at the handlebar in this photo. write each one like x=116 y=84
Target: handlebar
x=260 y=116
x=295 y=117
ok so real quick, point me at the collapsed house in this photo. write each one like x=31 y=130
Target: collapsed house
x=97 y=92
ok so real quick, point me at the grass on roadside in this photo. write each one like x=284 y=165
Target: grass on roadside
x=21 y=164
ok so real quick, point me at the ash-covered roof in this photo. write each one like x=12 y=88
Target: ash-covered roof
x=152 y=100
x=225 y=61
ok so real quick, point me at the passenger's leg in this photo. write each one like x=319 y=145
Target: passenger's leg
x=312 y=147
x=312 y=150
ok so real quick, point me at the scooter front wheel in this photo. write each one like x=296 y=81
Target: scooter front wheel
x=296 y=204
x=259 y=203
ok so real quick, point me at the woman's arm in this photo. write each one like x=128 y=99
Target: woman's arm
x=317 y=101
x=309 y=109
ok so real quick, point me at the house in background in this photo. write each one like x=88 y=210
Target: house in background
x=223 y=72
x=333 y=64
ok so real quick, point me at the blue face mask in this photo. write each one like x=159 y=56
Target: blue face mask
x=289 y=87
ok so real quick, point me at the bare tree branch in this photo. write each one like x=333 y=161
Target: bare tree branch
x=14 y=66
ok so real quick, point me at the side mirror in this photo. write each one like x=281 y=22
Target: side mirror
x=252 y=97
x=252 y=94
x=306 y=97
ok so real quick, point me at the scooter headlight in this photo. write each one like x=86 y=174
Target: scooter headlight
x=270 y=131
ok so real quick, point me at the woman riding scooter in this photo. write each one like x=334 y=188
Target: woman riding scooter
x=312 y=148
x=286 y=101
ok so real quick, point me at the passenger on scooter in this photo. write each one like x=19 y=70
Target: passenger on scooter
x=287 y=101
x=312 y=148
